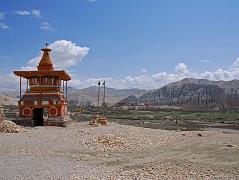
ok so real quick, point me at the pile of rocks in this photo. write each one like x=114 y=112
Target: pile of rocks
x=98 y=119
x=2 y=117
x=111 y=140
x=9 y=127
x=10 y=111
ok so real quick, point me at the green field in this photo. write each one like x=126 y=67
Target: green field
x=171 y=120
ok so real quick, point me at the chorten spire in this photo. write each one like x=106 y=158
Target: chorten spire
x=45 y=63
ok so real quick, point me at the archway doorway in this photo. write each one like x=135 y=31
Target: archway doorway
x=37 y=117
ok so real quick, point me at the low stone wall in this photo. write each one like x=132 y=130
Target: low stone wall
x=22 y=121
x=57 y=123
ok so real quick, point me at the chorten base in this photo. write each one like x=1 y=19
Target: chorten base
x=57 y=121
x=23 y=121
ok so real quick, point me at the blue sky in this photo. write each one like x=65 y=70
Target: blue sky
x=130 y=43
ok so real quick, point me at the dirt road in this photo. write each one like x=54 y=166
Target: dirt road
x=117 y=152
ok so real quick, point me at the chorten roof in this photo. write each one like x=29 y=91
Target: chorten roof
x=45 y=63
x=45 y=68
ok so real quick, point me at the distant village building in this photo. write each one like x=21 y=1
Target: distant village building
x=45 y=99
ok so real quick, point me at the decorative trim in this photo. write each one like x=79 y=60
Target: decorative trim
x=37 y=93
x=63 y=111
x=27 y=114
x=45 y=102
x=52 y=107
x=42 y=85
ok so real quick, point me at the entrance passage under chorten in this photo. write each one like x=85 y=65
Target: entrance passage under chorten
x=37 y=117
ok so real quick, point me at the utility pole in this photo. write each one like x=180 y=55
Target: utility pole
x=20 y=87
x=99 y=94
x=104 y=93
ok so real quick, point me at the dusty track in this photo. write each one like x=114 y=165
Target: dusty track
x=78 y=152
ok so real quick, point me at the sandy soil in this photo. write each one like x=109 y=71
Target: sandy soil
x=117 y=151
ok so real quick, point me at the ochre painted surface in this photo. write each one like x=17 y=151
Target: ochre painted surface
x=45 y=91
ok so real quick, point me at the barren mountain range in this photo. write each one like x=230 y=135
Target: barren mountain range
x=188 y=94
x=192 y=94
x=112 y=96
x=82 y=96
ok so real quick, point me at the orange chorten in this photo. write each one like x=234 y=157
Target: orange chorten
x=45 y=99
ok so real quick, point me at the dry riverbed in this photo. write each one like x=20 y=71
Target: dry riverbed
x=117 y=151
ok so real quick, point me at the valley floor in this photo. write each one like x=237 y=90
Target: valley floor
x=118 y=151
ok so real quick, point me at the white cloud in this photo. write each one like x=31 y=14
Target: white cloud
x=157 y=80
x=65 y=54
x=9 y=82
x=144 y=70
x=235 y=65
x=4 y=26
x=5 y=57
x=205 y=61
x=182 y=69
x=23 y=13
x=69 y=54
x=36 y=12
x=2 y=15
x=46 y=26
x=33 y=12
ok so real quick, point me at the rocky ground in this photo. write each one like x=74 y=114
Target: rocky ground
x=117 y=151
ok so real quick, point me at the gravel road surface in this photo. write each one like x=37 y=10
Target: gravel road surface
x=115 y=151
